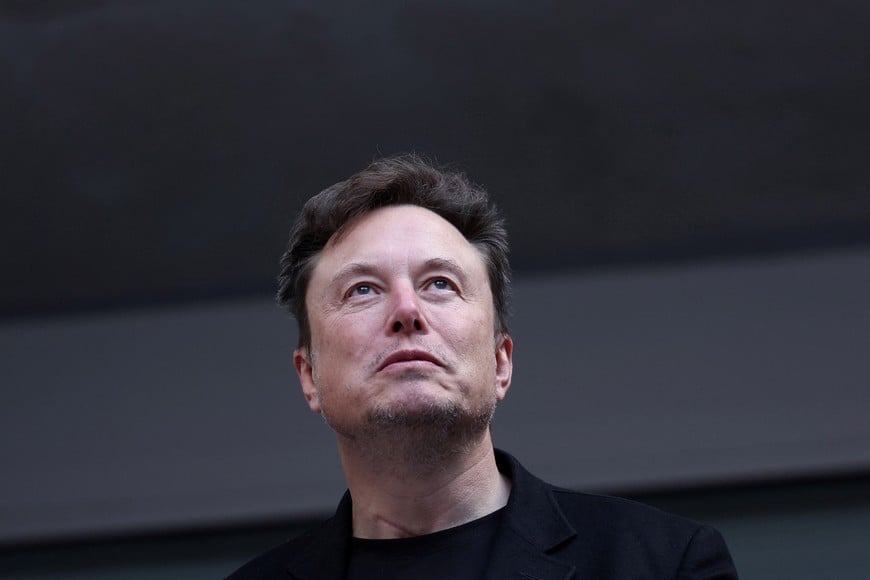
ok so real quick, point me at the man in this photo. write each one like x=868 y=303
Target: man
x=399 y=281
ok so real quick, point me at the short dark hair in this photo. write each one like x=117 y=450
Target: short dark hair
x=399 y=180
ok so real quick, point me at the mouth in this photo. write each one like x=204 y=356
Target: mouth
x=409 y=356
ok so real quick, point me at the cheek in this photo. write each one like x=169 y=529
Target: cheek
x=475 y=344
x=343 y=340
x=479 y=328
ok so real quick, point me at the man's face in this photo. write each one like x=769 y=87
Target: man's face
x=402 y=326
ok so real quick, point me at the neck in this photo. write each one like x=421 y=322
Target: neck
x=399 y=493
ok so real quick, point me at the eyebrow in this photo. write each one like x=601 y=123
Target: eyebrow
x=351 y=270
x=444 y=264
x=365 y=269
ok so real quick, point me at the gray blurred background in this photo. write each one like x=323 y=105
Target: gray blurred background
x=687 y=189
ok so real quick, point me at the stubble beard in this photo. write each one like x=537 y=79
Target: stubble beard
x=423 y=434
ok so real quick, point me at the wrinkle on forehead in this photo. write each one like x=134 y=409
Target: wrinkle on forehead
x=348 y=226
x=400 y=242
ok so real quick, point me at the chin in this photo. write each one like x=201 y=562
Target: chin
x=418 y=411
x=430 y=413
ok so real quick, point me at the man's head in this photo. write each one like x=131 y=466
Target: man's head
x=399 y=280
x=401 y=180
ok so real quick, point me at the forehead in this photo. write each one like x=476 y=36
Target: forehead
x=400 y=235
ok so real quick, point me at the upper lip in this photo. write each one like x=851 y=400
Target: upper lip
x=409 y=355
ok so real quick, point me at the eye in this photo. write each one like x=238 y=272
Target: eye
x=360 y=290
x=442 y=284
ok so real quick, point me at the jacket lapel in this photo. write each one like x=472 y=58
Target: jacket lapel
x=534 y=526
x=514 y=558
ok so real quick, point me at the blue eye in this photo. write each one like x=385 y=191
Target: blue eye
x=361 y=289
x=442 y=284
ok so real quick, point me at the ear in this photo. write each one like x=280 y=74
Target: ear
x=305 y=370
x=504 y=365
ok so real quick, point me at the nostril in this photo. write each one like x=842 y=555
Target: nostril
x=397 y=326
x=417 y=324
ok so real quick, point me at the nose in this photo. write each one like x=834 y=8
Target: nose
x=406 y=315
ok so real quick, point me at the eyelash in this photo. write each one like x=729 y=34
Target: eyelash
x=446 y=281
x=355 y=287
x=352 y=291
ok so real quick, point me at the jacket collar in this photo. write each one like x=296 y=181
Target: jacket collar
x=534 y=525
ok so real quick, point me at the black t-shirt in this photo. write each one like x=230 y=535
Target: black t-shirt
x=460 y=553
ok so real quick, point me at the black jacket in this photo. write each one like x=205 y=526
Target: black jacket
x=547 y=533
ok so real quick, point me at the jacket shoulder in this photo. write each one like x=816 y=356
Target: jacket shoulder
x=628 y=535
x=610 y=513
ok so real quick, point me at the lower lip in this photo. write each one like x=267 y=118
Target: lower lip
x=409 y=365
